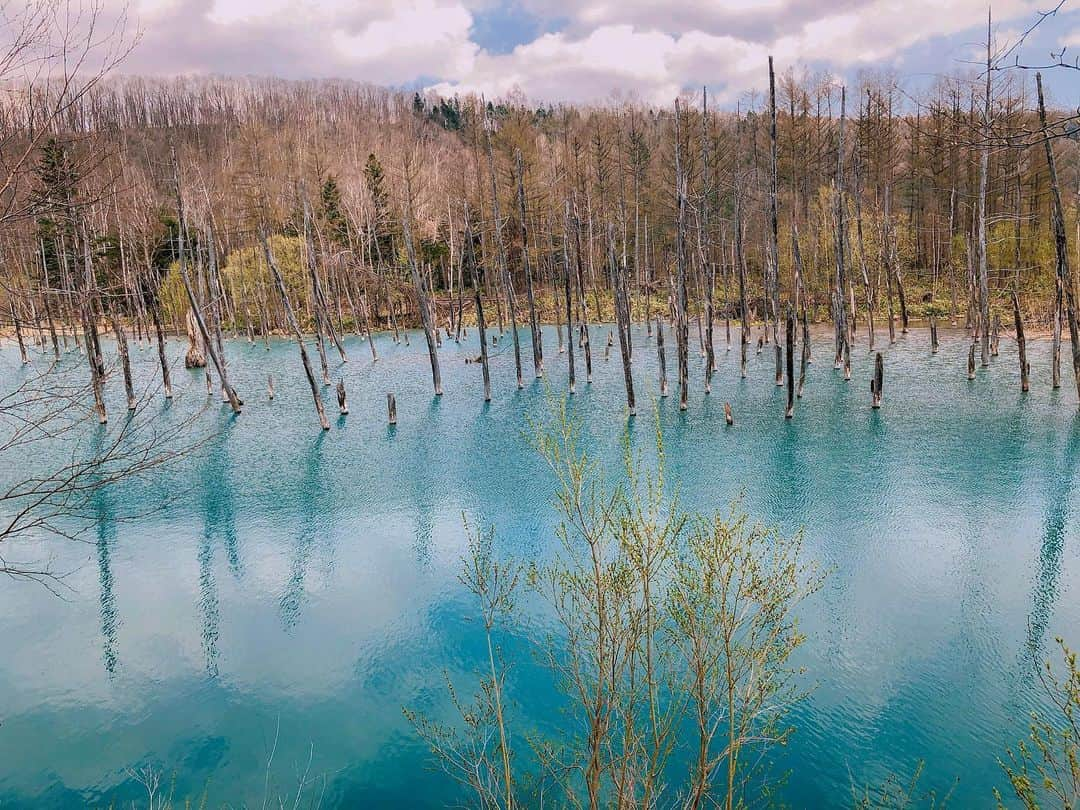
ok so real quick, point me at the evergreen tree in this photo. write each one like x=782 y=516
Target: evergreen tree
x=381 y=233
x=331 y=212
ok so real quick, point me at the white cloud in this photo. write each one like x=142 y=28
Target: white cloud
x=625 y=47
x=416 y=39
x=655 y=65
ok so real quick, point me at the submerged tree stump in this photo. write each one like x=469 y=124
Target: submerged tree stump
x=729 y=417
x=971 y=362
x=343 y=404
x=196 y=354
x=391 y=408
x=270 y=386
x=878 y=381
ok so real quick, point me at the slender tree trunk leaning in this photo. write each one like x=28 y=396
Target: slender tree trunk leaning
x=216 y=292
x=422 y=301
x=125 y=361
x=317 y=289
x=290 y=316
x=196 y=312
x=319 y=318
x=1064 y=274
x=1021 y=344
x=166 y=380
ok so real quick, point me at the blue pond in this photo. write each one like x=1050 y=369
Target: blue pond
x=287 y=591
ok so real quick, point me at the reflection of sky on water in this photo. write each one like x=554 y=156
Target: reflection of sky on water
x=309 y=579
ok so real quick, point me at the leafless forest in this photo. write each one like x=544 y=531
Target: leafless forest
x=217 y=207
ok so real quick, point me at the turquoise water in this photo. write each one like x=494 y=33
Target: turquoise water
x=280 y=583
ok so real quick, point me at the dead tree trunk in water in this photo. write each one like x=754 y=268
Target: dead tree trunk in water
x=622 y=317
x=534 y=323
x=291 y=317
x=568 y=278
x=789 y=340
x=774 y=227
x=660 y=355
x=682 y=337
x=422 y=300
x=705 y=242
x=583 y=309
x=843 y=337
x=878 y=381
x=740 y=260
x=166 y=381
x=215 y=315
x=980 y=225
x=1064 y=274
x=320 y=315
x=887 y=261
x=860 y=242
x=18 y=329
x=1055 y=341
x=481 y=326
x=196 y=312
x=317 y=289
x=804 y=357
x=47 y=305
x=125 y=360
x=1021 y=344
x=500 y=252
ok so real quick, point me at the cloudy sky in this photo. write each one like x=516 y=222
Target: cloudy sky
x=585 y=50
